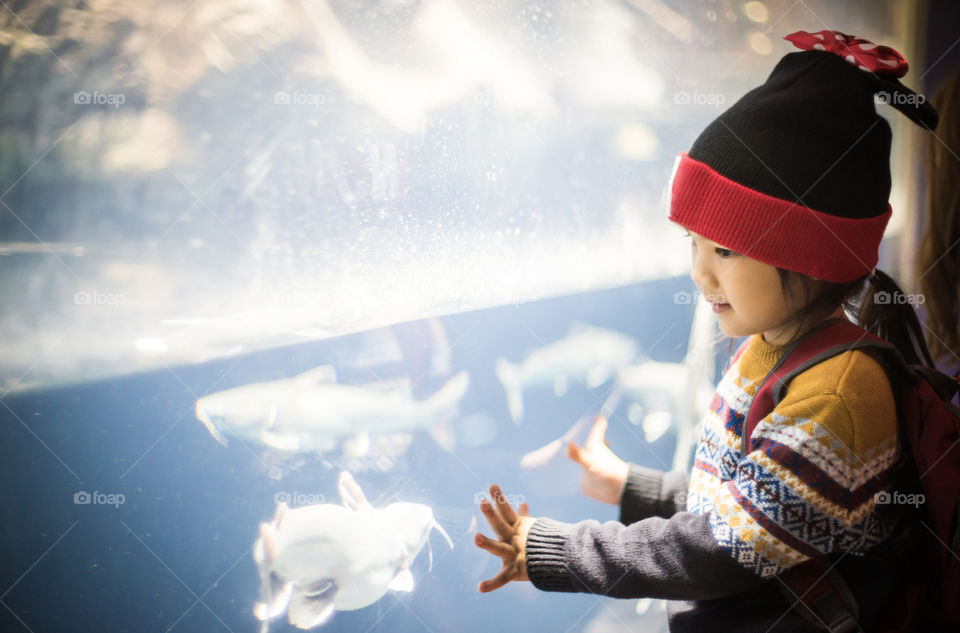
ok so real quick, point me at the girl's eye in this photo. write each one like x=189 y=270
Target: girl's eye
x=724 y=252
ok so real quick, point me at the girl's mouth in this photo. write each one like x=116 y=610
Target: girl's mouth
x=721 y=307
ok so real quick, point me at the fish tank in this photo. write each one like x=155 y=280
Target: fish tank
x=290 y=284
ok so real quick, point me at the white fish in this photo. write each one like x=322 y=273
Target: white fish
x=670 y=394
x=589 y=354
x=545 y=453
x=316 y=559
x=310 y=412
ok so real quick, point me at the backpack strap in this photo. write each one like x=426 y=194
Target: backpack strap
x=824 y=341
x=826 y=597
x=827 y=600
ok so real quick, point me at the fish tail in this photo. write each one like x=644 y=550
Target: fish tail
x=509 y=376
x=449 y=395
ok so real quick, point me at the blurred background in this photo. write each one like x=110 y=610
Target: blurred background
x=199 y=195
x=184 y=181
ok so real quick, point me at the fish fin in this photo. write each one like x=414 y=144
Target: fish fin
x=275 y=602
x=655 y=424
x=448 y=396
x=306 y=611
x=443 y=532
x=357 y=445
x=542 y=455
x=509 y=376
x=280 y=442
x=318 y=588
x=545 y=453
x=350 y=493
x=403 y=581
x=598 y=375
x=442 y=434
x=209 y=424
x=280 y=512
x=560 y=385
x=259 y=552
x=273 y=416
x=325 y=374
x=267 y=544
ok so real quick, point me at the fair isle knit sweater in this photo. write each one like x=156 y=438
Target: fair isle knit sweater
x=717 y=539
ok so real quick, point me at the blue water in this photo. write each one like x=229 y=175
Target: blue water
x=176 y=554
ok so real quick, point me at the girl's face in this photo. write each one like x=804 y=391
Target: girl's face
x=746 y=294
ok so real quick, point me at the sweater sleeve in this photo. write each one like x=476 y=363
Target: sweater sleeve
x=648 y=492
x=806 y=488
x=676 y=558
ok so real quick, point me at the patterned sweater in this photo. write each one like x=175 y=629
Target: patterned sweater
x=716 y=539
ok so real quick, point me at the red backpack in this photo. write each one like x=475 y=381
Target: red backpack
x=930 y=431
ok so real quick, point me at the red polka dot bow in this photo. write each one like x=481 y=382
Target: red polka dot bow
x=862 y=53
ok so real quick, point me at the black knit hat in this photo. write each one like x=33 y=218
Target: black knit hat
x=796 y=173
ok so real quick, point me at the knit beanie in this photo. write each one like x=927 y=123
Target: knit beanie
x=796 y=174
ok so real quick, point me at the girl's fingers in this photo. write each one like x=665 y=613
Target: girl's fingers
x=502 y=529
x=524 y=509
x=504 y=576
x=599 y=428
x=574 y=453
x=503 y=506
x=497 y=548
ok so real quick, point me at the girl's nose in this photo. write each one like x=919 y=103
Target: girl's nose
x=700 y=273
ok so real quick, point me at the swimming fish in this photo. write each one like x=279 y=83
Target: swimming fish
x=591 y=355
x=311 y=412
x=662 y=392
x=315 y=559
x=545 y=453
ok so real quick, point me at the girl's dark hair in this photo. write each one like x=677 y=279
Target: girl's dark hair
x=938 y=259
x=877 y=303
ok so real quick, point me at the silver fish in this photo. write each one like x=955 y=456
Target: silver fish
x=316 y=559
x=663 y=392
x=310 y=412
x=589 y=354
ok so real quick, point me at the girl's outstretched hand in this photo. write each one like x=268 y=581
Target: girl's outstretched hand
x=511 y=528
x=603 y=472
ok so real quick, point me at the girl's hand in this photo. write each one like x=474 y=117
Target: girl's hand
x=603 y=472
x=511 y=528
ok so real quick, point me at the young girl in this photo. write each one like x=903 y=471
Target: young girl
x=785 y=198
